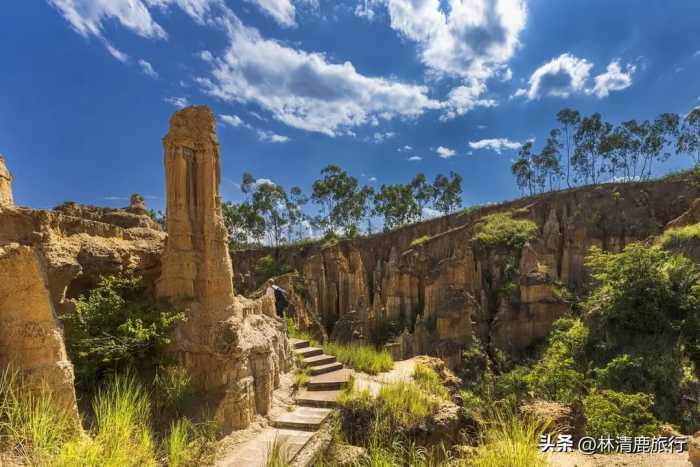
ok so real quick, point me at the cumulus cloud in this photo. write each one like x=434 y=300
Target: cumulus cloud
x=304 y=90
x=415 y=158
x=497 y=145
x=614 y=79
x=467 y=39
x=445 y=153
x=179 y=102
x=232 y=120
x=282 y=11
x=566 y=75
x=560 y=77
x=464 y=98
x=147 y=68
x=405 y=148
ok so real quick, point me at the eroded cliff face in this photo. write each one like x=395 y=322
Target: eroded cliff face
x=48 y=258
x=234 y=347
x=6 y=199
x=448 y=288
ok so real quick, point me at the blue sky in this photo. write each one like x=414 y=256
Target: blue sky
x=87 y=86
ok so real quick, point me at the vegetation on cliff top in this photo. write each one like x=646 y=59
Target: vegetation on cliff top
x=501 y=230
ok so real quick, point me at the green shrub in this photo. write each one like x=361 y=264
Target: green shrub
x=407 y=403
x=560 y=372
x=611 y=413
x=679 y=237
x=278 y=454
x=361 y=357
x=267 y=267
x=501 y=230
x=476 y=368
x=642 y=292
x=115 y=326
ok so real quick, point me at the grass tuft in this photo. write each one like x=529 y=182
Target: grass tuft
x=33 y=425
x=363 y=358
x=509 y=439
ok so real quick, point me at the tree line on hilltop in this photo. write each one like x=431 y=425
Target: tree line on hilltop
x=269 y=213
x=588 y=150
x=581 y=150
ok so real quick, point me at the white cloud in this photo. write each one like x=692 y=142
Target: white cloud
x=445 y=153
x=415 y=158
x=232 y=120
x=116 y=53
x=405 y=148
x=467 y=39
x=282 y=11
x=429 y=213
x=464 y=98
x=263 y=181
x=560 y=77
x=303 y=89
x=147 y=68
x=271 y=137
x=372 y=179
x=614 y=79
x=197 y=9
x=495 y=144
x=179 y=102
x=206 y=56
x=87 y=16
x=381 y=137
x=566 y=75
x=368 y=9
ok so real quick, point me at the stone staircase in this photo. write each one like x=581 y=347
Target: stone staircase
x=315 y=402
x=297 y=428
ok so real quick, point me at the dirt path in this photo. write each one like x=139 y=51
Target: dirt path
x=577 y=459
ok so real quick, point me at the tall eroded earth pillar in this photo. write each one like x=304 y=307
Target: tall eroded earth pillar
x=196 y=265
x=6 y=200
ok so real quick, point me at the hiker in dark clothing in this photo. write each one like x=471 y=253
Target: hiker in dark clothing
x=281 y=300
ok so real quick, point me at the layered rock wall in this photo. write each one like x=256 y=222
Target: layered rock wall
x=443 y=288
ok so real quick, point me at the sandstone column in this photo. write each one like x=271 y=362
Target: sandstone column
x=196 y=264
x=6 y=200
x=230 y=347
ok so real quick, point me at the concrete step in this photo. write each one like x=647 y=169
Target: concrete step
x=307 y=352
x=298 y=343
x=319 y=360
x=302 y=418
x=321 y=369
x=327 y=399
x=253 y=453
x=333 y=380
